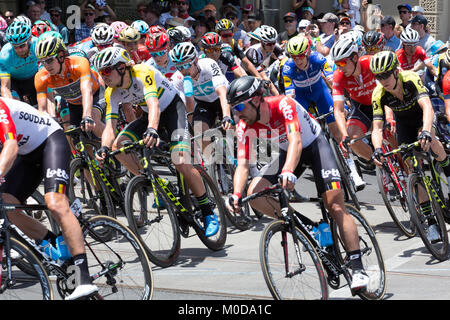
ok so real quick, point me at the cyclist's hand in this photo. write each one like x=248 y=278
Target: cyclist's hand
x=87 y=124
x=288 y=180
x=377 y=157
x=344 y=144
x=101 y=153
x=425 y=138
x=392 y=126
x=227 y=123
x=233 y=203
x=151 y=137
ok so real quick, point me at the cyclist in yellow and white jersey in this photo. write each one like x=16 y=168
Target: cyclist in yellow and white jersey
x=162 y=108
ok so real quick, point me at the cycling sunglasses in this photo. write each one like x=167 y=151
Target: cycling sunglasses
x=299 y=56
x=20 y=46
x=184 y=66
x=210 y=50
x=48 y=60
x=341 y=63
x=269 y=44
x=158 y=54
x=107 y=71
x=383 y=76
x=239 y=107
x=226 y=35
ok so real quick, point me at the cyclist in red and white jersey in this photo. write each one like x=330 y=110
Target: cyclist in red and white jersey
x=411 y=53
x=446 y=93
x=35 y=148
x=301 y=140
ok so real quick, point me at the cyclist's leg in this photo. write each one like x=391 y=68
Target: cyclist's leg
x=205 y=113
x=359 y=122
x=97 y=115
x=324 y=103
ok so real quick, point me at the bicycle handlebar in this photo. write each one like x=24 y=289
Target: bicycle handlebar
x=402 y=148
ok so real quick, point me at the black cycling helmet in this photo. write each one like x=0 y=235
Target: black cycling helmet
x=243 y=89
x=373 y=39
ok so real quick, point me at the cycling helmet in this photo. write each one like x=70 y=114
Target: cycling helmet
x=156 y=42
x=141 y=26
x=39 y=28
x=183 y=52
x=23 y=19
x=110 y=57
x=373 y=39
x=48 y=46
x=224 y=25
x=129 y=34
x=51 y=34
x=118 y=26
x=211 y=39
x=298 y=45
x=102 y=35
x=409 y=36
x=156 y=29
x=18 y=32
x=177 y=35
x=355 y=36
x=255 y=34
x=383 y=61
x=343 y=48
x=243 y=89
x=268 y=33
x=447 y=57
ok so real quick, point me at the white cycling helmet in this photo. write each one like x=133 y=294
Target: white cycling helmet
x=109 y=57
x=102 y=35
x=268 y=33
x=183 y=52
x=342 y=49
x=409 y=36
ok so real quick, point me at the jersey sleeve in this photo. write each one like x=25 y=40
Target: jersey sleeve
x=150 y=90
x=422 y=55
x=40 y=83
x=228 y=59
x=218 y=79
x=287 y=79
x=243 y=141
x=112 y=109
x=338 y=88
x=237 y=50
x=4 y=71
x=288 y=108
x=446 y=85
x=7 y=127
x=378 y=108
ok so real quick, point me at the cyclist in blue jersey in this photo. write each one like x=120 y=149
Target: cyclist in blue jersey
x=303 y=79
x=18 y=63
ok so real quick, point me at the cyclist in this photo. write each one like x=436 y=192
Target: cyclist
x=411 y=53
x=285 y=122
x=158 y=45
x=373 y=42
x=18 y=63
x=402 y=93
x=102 y=37
x=72 y=78
x=354 y=78
x=129 y=38
x=211 y=43
x=264 y=53
x=304 y=81
x=203 y=81
x=143 y=29
x=35 y=148
x=163 y=108
x=446 y=93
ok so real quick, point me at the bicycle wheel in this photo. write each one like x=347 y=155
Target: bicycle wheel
x=445 y=189
x=154 y=222
x=44 y=216
x=371 y=255
x=25 y=286
x=438 y=248
x=395 y=201
x=345 y=174
x=96 y=200
x=119 y=267
x=285 y=278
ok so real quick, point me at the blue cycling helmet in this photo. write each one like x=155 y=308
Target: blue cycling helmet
x=18 y=32
x=141 y=26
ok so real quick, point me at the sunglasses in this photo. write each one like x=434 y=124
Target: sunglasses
x=383 y=76
x=345 y=22
x=409 y=45
x=231 y=17
x=158 y=54
x=48 y=60
x=239 y=107
x=299 y=56
x=269 y=44
x=372 y=50
x=288 y=21
x=107 y=71
x=184 y=66
x=215 y=49
x=104 y=46
x=403 y=12
x=89 y=13
x=9 y=17
x=341 y=63
x=19 y=46
x=226 y=35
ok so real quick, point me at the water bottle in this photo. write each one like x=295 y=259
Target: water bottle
x=62 y=248
x=51 y=251
x=188 y=86
x=325 y=237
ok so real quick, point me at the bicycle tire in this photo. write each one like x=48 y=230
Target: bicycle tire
x=132 y=280
x=27 y=286
x=371 y=255
x=159 y=233
x=95 y=201
x=308 y=284
x=217 y=241
x=342 y=163
x=395 y=204
x=439 y=250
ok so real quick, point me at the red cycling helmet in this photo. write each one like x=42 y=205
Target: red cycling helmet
x=156 y=42
x=211 y=39
x=40 y=28
x=157 y=29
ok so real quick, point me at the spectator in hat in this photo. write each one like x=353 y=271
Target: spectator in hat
x=245 y=12
x=253 y=22
x=44 y=13
x=387 y=26
x=298 y=5
x=33 y=11
x=328 y=24
x=86 y=27
x=210 y=12
x=56 y=19
x=174 y=22
x=103 y=11
x=417 y=10
x=200 y=28
x=197 y=6
x=404 y=10
x=344 y=25
x=419 y=23
x=307 y=13
x=173 y=12
x=152 y=15
x=183 y=13
x=290 y=26
x=301 y=28
x=238 y=34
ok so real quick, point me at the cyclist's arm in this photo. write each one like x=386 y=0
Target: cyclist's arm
x=447 y=109
x=51 y=105
x=108 y=134
x=377 y=133
x=339 y=115
x=87 y=98
x=240 y=178
x=6 y=87
x=222 y=93
x=294 y=151
x=433 y=70
x=8 y=155
x=239 y=72
x=250 y=67
x=428 y=113
x=153 y=112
